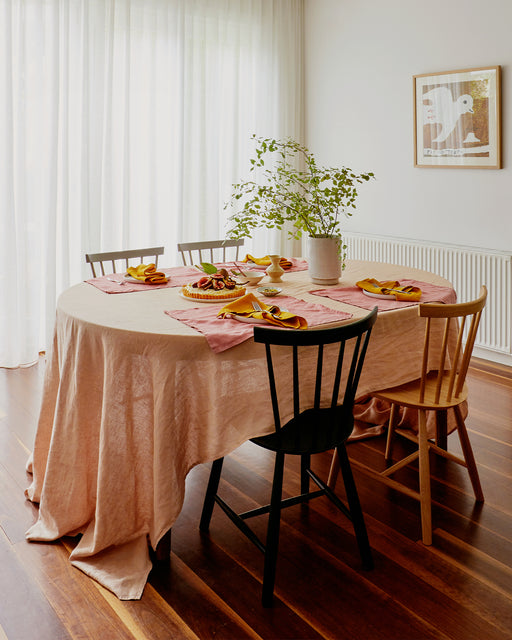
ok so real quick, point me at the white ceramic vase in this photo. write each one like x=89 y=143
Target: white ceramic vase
x=324 y=260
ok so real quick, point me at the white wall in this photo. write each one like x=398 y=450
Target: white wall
x=360 y=59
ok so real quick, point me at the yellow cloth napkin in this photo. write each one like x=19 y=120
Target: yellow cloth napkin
x=391 y=288
x=243 y=307
x=266 y=262
x=147 y=273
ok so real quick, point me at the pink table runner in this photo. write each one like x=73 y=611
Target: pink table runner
x=224 y=333
x=355 y=296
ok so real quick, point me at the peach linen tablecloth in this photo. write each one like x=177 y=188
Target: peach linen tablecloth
x=133 y=399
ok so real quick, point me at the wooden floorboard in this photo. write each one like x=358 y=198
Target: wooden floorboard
x=460 y=588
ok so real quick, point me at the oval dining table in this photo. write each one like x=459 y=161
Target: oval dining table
x=134 y=398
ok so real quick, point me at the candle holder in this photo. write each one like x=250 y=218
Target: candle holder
x=275 y=271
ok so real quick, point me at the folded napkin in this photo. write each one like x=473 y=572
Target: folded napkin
x=390 y=288
x=266 y=262
x=147 y=273
x=270 y=313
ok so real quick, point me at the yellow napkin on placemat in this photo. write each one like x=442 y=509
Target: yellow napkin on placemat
x=265 y=261
x=147 y=273
x=243 y=306
x=391 y=288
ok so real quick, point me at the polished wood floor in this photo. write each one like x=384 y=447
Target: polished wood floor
x=460 y=588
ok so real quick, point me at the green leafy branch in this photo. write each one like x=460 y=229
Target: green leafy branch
x=293 y=192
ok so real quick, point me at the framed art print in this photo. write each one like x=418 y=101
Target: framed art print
x=457 y=119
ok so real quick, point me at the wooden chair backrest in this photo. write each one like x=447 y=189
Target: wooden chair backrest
x=451 y=370
x=113 y=257
x=208 y=250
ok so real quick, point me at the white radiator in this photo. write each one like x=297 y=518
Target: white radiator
x=466 y=268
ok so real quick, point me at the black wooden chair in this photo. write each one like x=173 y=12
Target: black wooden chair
x=325 y=423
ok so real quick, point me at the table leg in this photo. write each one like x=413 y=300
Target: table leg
x=163 y=548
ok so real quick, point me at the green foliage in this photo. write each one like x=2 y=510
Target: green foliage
x=294 y=193
x=207 y=268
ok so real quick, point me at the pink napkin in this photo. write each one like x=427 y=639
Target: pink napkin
x=355 y=296
x=224 y=333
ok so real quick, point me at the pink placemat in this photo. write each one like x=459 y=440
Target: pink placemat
x=355 y=296
x=224 y=333
x=117 y=283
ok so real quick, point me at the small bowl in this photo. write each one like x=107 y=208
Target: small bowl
x=269 y=291
x=251 y=277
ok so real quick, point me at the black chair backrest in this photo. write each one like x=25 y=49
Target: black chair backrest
x=358 y=332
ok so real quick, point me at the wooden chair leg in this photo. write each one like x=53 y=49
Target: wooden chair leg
x=211 y=492
x=272 y=544
x=424 y=473
x=356 y=513
x=333 y=471
x=468 y=455
x=391 y=433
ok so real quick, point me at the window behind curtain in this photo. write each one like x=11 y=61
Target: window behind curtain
x=124 y=123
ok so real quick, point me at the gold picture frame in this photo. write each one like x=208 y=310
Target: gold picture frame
x=457 y=119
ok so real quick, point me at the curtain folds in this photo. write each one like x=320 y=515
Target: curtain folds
x=124 y=123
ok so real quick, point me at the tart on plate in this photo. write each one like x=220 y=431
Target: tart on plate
x=216 y=286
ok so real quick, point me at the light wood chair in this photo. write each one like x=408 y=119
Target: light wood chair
x=208 y=251
x=122 y=257
x=438 y=390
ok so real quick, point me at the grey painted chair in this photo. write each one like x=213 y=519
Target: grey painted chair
x=120 y=260
x=209 y=251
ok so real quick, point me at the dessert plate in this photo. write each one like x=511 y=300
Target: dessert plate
x=248 y=320
x=382 y=296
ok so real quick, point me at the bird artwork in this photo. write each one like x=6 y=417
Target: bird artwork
x=439 y=107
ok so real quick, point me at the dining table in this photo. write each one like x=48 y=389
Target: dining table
x=142 y=384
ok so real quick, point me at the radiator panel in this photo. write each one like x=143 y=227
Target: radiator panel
x=466 y=268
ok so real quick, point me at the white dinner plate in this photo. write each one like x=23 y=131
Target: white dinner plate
x=132 y=279
x=248 y=320
x=226 y=301
x=377 y=295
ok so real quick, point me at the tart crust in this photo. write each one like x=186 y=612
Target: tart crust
x=224 y=294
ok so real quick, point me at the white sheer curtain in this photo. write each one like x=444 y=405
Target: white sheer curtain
x=124 y=123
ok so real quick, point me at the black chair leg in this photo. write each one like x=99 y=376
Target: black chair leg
x=211 y=492
x=272 y=545
x=356 y=512
x=305 y=463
